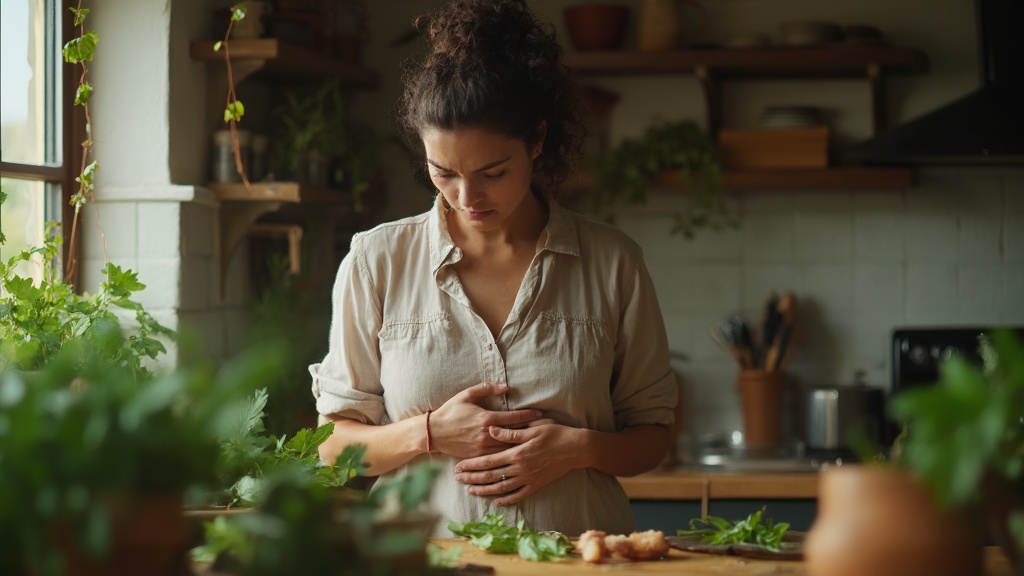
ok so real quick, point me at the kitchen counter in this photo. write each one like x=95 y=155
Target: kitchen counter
x=676 y=563
x=703 y=484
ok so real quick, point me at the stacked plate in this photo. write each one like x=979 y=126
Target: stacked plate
x=789 y=117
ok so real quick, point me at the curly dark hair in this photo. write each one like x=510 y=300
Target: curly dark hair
x=491 y=64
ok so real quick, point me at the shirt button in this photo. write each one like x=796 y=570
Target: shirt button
x=488 y=345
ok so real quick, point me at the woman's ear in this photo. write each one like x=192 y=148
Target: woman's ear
x=538 y=141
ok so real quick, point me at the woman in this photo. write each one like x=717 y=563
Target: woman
x=517 y=345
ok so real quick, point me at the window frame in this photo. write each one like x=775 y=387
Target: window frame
x=72 y=132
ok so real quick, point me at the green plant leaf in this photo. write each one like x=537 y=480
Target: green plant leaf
x=237 y=13
x=81 y=49
x=80 y=14
x=83 y=94
x=218 y=45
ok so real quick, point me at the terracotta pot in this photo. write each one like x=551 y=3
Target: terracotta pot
x=596 y=26
x=149 y=536
x=761 y=396
x=883 y=522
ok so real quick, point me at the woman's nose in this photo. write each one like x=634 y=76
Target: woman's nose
x=468 y=192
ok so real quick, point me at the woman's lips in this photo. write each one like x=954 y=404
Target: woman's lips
x=478 y=214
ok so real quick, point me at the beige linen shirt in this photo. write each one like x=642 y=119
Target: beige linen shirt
x=584 y=343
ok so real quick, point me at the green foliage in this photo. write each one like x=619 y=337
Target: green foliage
x=237 y=13
x=304 y=528
x=248 y=456
x=321 y=122
x=37 y=322
x=83 y=429
x=80 y=14
x=626 y=172
x=234 y=111
x=81 y=49
x=755 y=529
x=3 y=198
x=968 y=429
x=494 y=535
x=83 y=93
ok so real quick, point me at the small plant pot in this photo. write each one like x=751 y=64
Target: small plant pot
x=882 y=522
x=149 y=536
x=596 y=26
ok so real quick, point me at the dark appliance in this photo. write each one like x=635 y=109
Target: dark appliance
x=917 y=354
x=985 y=127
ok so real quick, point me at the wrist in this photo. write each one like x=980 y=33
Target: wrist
x=429 y=446
x=583 y=447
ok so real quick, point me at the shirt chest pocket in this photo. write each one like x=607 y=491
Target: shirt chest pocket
x=573 y=360
x=417 y=355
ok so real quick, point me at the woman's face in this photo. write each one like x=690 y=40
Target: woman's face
x=483 y=175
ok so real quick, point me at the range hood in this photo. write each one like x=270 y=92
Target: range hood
x=985 y=127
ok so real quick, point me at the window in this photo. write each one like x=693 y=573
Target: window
x=36 y=141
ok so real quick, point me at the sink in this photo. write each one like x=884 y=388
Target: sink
x=728 y=463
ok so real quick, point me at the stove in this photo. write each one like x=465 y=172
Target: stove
x=917 y=354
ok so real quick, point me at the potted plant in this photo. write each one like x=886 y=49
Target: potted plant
x=630 y=168
x=957 y=472
x=305 y=527
x=37 y=321
x=318 y=143
x=96 y=464
x=965 y=438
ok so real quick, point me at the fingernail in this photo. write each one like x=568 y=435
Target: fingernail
x=458 y=470
x=458 y=478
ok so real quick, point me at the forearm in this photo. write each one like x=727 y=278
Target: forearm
x=628 y=452
x=387 y=446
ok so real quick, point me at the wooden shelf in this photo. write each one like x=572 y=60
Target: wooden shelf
x=821 y=62
x=840 y=177
x=712 y=66
x=271 y=60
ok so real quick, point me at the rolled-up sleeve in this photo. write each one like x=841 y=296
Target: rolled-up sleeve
x=645 y=389
x=346 y=382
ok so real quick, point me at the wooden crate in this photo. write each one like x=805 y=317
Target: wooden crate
x=782 y=148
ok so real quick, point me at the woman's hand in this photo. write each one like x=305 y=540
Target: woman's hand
x=460 y=427
x=543 y=454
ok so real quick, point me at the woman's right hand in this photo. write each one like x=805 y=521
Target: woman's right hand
x=459 y=427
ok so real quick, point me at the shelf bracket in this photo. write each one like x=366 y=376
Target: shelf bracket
x=878 y=121
x=712 y=88
x=235 y=220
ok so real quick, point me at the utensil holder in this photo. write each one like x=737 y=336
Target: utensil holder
x=761 y=396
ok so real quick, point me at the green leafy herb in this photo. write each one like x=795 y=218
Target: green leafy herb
x=248 y=455
x=756 y=529
x=494 y=535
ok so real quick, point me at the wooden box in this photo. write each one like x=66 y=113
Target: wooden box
x=780 y=148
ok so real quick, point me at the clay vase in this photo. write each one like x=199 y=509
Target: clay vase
x=881 y=521
x=761 y=398
x=596 y=26
x=660 y=24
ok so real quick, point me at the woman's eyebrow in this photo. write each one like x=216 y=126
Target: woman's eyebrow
x=480 y=169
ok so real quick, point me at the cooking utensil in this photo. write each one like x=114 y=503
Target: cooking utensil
x=833 y=413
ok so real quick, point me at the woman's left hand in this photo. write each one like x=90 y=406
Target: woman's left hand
x=541 y=454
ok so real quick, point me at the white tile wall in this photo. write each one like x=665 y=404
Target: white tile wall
x=948 y=251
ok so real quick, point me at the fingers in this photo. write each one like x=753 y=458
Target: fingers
x=483 y=390
x=541 y=422
x=514 y=417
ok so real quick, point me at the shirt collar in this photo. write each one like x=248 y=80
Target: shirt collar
x=560 y=232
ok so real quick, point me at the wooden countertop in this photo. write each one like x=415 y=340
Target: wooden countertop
x=689 y=484
x=676 y=563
